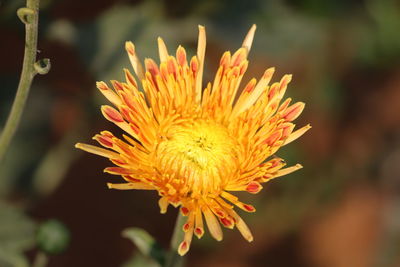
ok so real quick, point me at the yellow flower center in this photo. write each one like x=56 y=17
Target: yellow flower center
x=200 y=155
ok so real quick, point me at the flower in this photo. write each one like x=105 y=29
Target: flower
x=195 y=147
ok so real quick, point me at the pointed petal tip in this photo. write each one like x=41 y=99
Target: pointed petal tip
x=162 y=50
x=183 y=248
x=199 y=232
x=298 y=133
x=248 y=40
x=111 y=114
x=268 y=73
x=130 y=47
x=101 y=85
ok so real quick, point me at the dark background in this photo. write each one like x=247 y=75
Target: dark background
x=341 y=210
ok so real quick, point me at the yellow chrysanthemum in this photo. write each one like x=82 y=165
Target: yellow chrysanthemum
x=195 y=146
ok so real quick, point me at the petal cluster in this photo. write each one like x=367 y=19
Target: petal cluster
x=196 y=146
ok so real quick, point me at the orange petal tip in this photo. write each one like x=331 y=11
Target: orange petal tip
x=227 y=222
x=185 y=211
x=102 y=86
x=254 y=187
x=130 y=47
x=104 y=140
x=186 y=227
x=111 y=114
x=249 y=208
x=199 y=232
x=181 y=56
x=183 y=248
x=292 y=112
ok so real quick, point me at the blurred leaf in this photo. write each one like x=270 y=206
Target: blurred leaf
x=106 y=55
x=23 y=154
x=54 y=165
x=381 y=44
x=145 y=243
x=139 y=260
x=53 y=237
x=17 y=233
x=11 y=258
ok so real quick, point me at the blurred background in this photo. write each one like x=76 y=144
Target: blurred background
x=341 y=210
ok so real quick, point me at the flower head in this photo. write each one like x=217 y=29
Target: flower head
x=193 y=146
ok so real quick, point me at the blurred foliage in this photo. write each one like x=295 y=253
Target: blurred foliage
x=140 y=260
x=17 y=234
x=146 y=245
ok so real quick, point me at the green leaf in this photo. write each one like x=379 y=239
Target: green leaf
x=17 y=234
x=145 y=243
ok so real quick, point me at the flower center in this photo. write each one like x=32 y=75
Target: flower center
x=200 y=155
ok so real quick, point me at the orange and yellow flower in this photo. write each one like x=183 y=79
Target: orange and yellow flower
x=193 y=146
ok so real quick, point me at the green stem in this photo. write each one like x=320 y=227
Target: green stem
x=174 y=259
x=41 y=260
x=30 y=16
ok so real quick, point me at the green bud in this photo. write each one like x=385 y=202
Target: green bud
x=52 y=237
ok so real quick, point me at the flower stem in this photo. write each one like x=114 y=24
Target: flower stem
x=173 y=258
x=41 y=260
x=29 y=15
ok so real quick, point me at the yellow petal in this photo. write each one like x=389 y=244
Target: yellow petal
x=162 y=50
x=108 y=93
x=163 y=203
x=288 y=170
x=130 y=186
x=97 y=150
x=296 y=134
x=134 y=59
x=199 y=228
x=242 y=227
x=248 y=40
x=248 y=98
x=213 y=225
x=201 y=51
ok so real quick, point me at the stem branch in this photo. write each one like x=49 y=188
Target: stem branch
x=29 y=15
